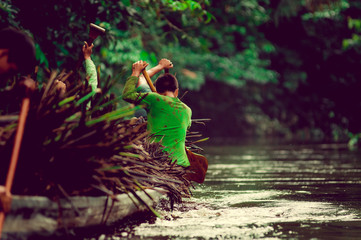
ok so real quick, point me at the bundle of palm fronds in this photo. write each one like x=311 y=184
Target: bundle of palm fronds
x=193 y=136
x=79 y=144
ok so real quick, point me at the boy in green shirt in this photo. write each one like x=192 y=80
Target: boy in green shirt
x=168 y=117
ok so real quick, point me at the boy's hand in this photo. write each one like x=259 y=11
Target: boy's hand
x=138 y=67
x=165 y=63
x=5 y=200
x=87 y=50
x=27 y=86
x=60 y=87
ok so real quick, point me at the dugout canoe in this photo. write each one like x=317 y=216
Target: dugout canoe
x=37 y=215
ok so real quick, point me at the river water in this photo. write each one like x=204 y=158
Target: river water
x=268 y=192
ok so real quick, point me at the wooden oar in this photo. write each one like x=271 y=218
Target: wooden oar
x=94 y=32
x=198 y=168
x=16 y=148
x=146 y=76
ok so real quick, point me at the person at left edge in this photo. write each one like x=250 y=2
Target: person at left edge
x=17 y=53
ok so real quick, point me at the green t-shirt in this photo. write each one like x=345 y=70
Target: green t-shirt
x=91 y=73
x=168 y=119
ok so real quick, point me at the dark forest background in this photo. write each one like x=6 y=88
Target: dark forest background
x=260 y=69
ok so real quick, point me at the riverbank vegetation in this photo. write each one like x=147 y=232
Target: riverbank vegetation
x=286 y=69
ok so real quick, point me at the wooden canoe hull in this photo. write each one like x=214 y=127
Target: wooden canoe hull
x=39 y=215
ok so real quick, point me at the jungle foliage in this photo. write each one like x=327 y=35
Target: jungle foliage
x=255 y=67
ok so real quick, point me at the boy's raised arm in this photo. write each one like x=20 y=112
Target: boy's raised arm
x=163 y=64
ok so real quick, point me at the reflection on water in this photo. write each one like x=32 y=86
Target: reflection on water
x=270 y=192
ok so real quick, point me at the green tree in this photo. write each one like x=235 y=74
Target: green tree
x=276 y=66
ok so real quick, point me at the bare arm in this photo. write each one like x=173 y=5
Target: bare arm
x=87 y=50
x=129 y=92
x=163 y=64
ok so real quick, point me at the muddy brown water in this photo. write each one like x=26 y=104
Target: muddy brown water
x=269 y=192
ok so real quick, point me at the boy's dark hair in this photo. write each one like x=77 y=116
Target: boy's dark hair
x=21 y=49
x=166 y=82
